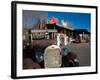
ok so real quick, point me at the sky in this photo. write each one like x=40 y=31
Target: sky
x=78 y=20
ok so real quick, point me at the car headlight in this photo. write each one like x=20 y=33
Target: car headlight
x=39 y=56
x=64 y=51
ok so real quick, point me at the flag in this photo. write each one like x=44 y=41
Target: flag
x=54 y=20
